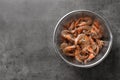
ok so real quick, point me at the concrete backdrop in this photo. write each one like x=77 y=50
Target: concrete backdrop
x=26 y=50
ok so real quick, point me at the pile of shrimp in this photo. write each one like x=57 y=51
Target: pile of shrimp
x=82 y=39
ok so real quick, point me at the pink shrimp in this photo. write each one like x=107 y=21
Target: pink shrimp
x=63 y=45
x=69 y=50
x=97 y=50
x=93 y=43
x=80 y=29
x=78 y=55
x=72 y=26
x=90 y=57
x=67 y=35
x=86 y=21
x=100 y=43
x=96 y=29
x=79 y=37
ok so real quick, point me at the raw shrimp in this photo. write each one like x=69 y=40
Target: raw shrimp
x=69 y=50
x=78 y=55
x=97 y=50
x=63 y=45
x=80 y=29
x=67 y=35
x=90 y=57
x=86 y=21
x=93 y=43
x=100 y=43
x=77 y=22
x=68 y=24
x=72 y=26
x=82 y=24
x=83 y=41
x=79 y=37
x=96 y=30
x=90 y=49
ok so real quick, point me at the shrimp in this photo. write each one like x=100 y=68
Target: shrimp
x=97 y=50
x=67 y=35
x=90 y=49
x=82 y=24
x=100 y=43
x=80 y=29
x=93 y=43
x=95 y=32
x=63 y=45
x=77 y=22
x=96 y=23
x=68 y=24
x=78 y=55
x=86 y=21
x=83 y=41
x=90 y=57
x=69 y=50
x=91 y=40
x=96 y=47
x=96 y=29
x=79 y=37
x=72 y=26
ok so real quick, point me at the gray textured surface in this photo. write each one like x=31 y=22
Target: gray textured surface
x=26 y=50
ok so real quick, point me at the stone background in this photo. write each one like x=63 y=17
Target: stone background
x=26 y=50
